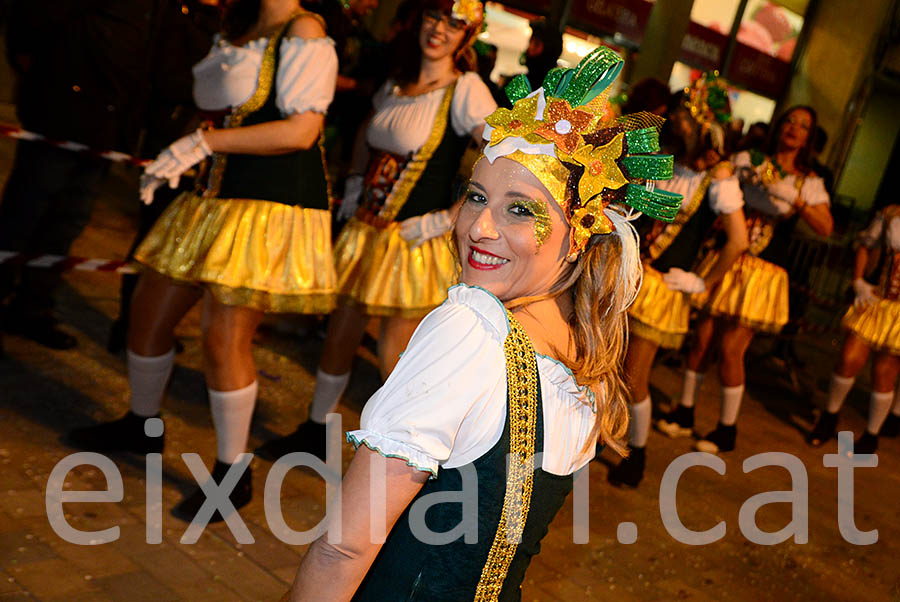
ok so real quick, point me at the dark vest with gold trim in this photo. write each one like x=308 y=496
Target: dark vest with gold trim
x=398 y=187
x=296 y=178
x=408 y=569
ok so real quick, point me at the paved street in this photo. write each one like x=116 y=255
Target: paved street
x=44 y=393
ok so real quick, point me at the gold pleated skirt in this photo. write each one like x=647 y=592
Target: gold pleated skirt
x=381 y=274
x=659 y=314
x=878 y=324
x=753 y=291
x=268 y=256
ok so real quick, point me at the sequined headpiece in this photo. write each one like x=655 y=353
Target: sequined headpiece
x=469 y=11
x=707 y=101
x=584 y=156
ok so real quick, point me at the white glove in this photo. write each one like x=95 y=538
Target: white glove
x=181 y=155
x=865 y=293
x=352 y=192
x=148 y=187
x=416 y=230
x=686 y=282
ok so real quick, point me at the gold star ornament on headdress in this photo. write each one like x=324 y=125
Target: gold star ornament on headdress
x=469 y=11
x=520 y=121
x=561 y=134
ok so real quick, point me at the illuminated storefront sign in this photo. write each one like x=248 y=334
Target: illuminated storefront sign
x=626 y=17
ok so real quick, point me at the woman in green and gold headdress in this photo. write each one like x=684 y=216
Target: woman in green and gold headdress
x=521 y=363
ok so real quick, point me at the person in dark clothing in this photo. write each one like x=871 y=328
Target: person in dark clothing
x=824 y=172
x=487 y=57
x=82 y=77
x=544 y=48
x=186 y=29
x=362 y=67
x=755 y=138
x=649 y=95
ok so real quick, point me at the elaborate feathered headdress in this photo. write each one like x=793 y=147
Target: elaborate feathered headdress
x=584 y=156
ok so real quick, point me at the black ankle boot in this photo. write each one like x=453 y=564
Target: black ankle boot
x=891 y=426
x=866 y=444
x=125 y=434
x=824 y=430
x=309 y=437
x=677 y=423
x=240 y=496
x=630 y=471
x=720 y=440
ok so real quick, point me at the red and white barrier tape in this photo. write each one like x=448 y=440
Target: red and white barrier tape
x=14 y=131
x=61 y=263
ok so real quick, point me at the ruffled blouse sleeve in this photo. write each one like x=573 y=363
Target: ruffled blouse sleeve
x=447 y=394
x=725 y=195
x=813 y=191
x=871 y=236
x=307 y=75
x=472 y=103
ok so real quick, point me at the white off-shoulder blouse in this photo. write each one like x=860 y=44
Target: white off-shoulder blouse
x=401 y=124
x=778 y=198
x=724 y=195
x=306 y=78
x=444 y=405
x=885 y=227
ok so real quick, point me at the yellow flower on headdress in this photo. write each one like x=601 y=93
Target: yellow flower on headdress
x=600 y=167
x=469 y=11
x=587 y=221
x=520 y=121
x=563 y=125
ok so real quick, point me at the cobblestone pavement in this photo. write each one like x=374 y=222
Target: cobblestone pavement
x=45 y=393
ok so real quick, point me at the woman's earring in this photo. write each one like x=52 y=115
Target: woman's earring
x=572 y=257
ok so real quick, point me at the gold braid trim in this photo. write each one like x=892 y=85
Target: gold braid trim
x=416 y=166
x=671 y=231
x=254 y=103
x=522 y=383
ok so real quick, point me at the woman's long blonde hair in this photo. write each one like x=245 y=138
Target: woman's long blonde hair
x=603 y=283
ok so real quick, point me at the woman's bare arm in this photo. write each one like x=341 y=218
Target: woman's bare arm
x=333 y=571
x=295 y=132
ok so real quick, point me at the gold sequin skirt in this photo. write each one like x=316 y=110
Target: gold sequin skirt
x=878 y=324
x=659 y=314
x=268 y=256
x=379 y=272
x=754 y=291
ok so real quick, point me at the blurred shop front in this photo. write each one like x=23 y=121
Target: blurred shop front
x=751 y=42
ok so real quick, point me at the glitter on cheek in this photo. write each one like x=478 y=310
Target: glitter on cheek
x=542 y=223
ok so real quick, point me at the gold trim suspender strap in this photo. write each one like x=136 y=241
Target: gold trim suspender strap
x=416 y=166
x=522 y=383
x=263 y=88
x=671 y=231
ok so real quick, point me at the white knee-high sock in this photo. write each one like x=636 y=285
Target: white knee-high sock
x=879 y=406
x=837 y=392
x=231 y=413
x=692 y=382
x=896 y=409
x=147 y=379
x=731 y=404
x=639 y=427
x=329 y=389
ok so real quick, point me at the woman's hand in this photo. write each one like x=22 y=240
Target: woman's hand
x=865 y=293
x=422 y=228
x=353 y=188
x=179 y=157
x=686 y=282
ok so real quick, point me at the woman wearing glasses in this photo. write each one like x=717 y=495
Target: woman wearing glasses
x=394 y=258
